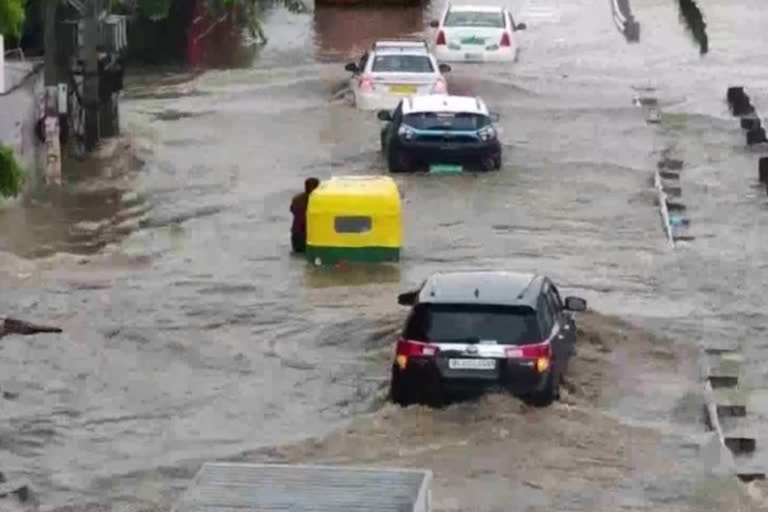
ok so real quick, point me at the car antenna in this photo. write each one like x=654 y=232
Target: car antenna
x=477 y=293
x=522 y=292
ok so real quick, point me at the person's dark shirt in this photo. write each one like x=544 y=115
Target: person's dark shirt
x=299 y=211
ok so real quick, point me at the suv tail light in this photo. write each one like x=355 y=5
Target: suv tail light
x=541 y=353
x=505 y=41
x=409 y=348
x=439 y=87
x=365 y=83
x=440 y=38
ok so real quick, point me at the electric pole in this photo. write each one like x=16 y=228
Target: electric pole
x=91 y=98
x=49 y=41
x=50 y=115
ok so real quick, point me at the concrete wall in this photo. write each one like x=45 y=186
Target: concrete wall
x=19 y=107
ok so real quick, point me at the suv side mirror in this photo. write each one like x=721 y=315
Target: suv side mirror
x=408 y=298
x=351 y=67
x=494 y=116
x=384 y=115
x=434 y=23
x=575 y=304
x=521 y=26
x=444 y=68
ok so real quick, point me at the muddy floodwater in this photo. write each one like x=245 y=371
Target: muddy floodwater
x=190 y=331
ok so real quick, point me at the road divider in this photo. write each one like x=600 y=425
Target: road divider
x=741 y=106
x=732 y=412
x=762 y=170
x=666 y=180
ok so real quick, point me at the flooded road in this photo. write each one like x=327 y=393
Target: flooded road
x=198 y=336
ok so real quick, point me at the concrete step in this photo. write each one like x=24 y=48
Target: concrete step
x=723 y=369
x=730 y=402
x=751 y=466
x=740 y=434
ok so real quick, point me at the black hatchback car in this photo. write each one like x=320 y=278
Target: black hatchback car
x=468 y=331
x=440 y=129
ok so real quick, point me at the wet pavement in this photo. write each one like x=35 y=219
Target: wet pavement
x=213 y=340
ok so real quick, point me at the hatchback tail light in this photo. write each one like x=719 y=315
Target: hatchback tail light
x=505 y=40
x=541 y=353
x=440 y=38
x=409 y=348
x=365 y=83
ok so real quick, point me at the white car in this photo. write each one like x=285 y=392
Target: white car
x=393 y=69
x=476 y=33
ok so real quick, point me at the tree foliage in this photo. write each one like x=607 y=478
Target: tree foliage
x=159 y=9
x=11 y=175
x=11 y=17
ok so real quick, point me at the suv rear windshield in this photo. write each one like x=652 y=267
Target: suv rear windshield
x=402 y=64
x=474 y=19
x=471 y=323
x=446 y=121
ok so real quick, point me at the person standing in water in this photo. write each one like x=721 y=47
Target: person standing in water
x=299 y=210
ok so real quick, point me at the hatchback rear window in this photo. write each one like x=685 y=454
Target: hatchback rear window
x=402 y=64
x=472 y=323
x=474 y=19
x=460 y=121
x=352 y=224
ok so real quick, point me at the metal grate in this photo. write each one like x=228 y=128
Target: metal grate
x=224 y=487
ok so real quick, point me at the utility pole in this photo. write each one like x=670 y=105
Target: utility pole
x=51 y=114
x=49 y=42
x=91 y=98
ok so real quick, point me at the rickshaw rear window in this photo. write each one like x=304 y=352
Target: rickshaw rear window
x=352 y=224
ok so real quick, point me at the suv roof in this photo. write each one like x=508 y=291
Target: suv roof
x=444 y=103
x=493 y=287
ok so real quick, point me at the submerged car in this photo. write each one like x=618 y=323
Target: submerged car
x=468 y=331
x=440 y=129
x=476 y=33
x=393 y=69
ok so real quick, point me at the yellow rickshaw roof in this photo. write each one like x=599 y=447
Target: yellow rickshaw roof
x=355 y=193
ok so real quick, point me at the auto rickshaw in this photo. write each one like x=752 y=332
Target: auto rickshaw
x=355 y=219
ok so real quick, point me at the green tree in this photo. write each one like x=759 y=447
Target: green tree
x=11 y=176
x=11 y=17
x=155 y=9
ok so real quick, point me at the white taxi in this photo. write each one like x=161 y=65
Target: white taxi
x=476 y=33
x=393 y=69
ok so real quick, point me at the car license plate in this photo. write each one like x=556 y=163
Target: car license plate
x=472 y=40
x=445 y=169
x=472 y=364
x=473 y=56
x=402 y=89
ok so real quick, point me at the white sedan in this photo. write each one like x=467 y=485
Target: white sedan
x=391 y=70
x=476 y=33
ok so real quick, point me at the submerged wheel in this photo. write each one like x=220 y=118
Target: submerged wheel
x=424 y=389
x=492 y=163
x=399 y=391
x=396 y=161
x=549 y=394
